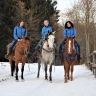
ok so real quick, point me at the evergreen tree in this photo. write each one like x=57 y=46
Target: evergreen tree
x=7 y=11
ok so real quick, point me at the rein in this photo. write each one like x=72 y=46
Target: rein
x=47 y=50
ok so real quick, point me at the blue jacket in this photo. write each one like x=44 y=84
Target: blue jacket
x=45 y=31
x=19 y=32
x=69 y=32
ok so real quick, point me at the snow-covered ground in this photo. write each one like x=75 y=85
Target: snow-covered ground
x=84 y=83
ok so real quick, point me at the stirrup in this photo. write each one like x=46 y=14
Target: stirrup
x=6 y=56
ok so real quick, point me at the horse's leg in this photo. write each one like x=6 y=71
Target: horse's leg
x=46 y=77
x=12 y=68
x=39 y=62
x=66 y=71
x=17 y=69
x=50 y=71
x=72 y=69
x=22 y=71
x=69 y=72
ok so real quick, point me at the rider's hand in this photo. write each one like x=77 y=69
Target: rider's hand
x=19 y=39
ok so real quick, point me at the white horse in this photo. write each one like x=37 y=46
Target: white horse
x=47 y=55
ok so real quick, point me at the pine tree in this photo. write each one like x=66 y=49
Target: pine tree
x=7 y=11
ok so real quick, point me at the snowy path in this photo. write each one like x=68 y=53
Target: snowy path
x=84 y=83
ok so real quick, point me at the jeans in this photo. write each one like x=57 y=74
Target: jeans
x=13 y=43
x=39 y=44
x=77 y=46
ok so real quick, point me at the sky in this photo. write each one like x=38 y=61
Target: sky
x=65 y=4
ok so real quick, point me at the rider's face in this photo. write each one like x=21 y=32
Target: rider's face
x=21 y=24
x=46 y=23
x=68 y=24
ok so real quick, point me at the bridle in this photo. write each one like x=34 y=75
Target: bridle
x=47 y=46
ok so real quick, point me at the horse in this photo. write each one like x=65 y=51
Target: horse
x=47 y=55
x=69 y=55
x=20 y=54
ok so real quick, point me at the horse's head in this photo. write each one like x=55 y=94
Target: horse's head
x=51 y=40
x=26 y=44
x=70 y=45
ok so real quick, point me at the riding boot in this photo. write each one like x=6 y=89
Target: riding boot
x=10 y=48
x=78 y=58
x=8 y=54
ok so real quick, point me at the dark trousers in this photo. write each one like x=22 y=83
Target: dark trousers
x=77 y=46
x=39 y=44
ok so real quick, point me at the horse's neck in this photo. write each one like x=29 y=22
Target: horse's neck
x=19 y=45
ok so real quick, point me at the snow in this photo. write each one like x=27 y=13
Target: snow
x=84 y=83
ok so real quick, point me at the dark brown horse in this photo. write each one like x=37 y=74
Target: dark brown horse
x=69 y=55
x=21 y=50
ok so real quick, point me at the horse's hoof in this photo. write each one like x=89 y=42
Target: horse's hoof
x=68 y=78
x=37 y=76
x=17 y=80
x=50 y=81
x=22 y=77
x=46 y=78
x=72 y=79
x=66 y=82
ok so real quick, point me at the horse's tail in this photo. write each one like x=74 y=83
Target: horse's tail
x=13 y=66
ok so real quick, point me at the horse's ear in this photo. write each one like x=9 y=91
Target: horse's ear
x=53 y=32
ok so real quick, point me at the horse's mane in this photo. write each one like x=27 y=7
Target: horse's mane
x=50 y=33
x=27 y=38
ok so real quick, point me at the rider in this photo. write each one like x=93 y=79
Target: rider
x=45 y=30
x=71 y=32
x=19 y=32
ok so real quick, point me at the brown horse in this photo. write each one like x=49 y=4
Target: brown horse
x=21 y=50
x=69 y=55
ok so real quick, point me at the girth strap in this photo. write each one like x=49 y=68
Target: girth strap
x=70 y=58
